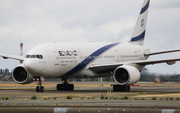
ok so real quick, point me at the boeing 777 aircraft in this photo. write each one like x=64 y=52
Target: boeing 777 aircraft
x=123 y=61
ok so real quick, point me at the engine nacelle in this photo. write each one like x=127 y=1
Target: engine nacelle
x=126 y=75
x=21 y=76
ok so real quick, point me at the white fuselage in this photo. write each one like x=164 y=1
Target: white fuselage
x=72 y=60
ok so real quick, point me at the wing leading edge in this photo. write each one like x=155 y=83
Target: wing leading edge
x=161 y=52
x=111 y=67
x=7 y=56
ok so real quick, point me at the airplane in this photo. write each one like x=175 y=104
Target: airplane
x=122 y=61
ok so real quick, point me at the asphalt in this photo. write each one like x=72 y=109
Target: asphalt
x=88 y=94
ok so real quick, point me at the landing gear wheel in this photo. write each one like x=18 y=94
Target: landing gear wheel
x=42 y=89
x=60 y=87
x=121 y=88
x=128 y=88
x=37 y=89
x=71 y=87
x=65 y=86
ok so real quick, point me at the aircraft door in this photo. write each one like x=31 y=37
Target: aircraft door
x=117 y=56
x=56 y=58
x=53 y=57
x=79 y=57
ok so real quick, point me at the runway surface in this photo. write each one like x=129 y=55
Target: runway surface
x=89 y=93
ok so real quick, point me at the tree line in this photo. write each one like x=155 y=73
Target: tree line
x=146 y=76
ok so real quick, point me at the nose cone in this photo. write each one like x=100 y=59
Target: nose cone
x=29 y=66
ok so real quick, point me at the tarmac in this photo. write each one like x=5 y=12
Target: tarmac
x=87 y=95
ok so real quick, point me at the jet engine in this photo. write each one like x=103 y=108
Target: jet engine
x=126 y=75
x=21 y=76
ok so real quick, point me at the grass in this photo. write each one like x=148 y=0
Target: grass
x=3 y=98
x=125 y=97
x=46 y=98
x=82 y=97
x=143 y=99
x=34 y=97
x=136 y=99
x=7 y=98
x=55 y=98
x=154 y=98
x=115 y=98
x=102 y=97
x=106 y=97
x=69 y=97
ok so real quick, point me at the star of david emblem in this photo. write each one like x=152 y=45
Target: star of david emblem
x=142 y=22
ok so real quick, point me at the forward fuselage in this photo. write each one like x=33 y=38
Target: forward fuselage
x=72 y=60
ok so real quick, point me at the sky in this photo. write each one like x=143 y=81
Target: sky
x=41 y=21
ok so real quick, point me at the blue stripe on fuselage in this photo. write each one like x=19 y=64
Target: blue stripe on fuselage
x=145 y=8
x=89 y=59
x=140 y=37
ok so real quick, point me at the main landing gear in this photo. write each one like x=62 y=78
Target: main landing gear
x=39 y=88
x=121 y=88
x=65 y=86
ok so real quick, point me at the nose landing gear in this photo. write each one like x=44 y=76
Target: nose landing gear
x=65 y=86
x=39 y=88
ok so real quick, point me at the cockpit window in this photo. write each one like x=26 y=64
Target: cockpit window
x=40 y=56
x=27 y=56
x=34 y=56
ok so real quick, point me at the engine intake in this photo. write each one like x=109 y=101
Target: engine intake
x=126 y=75
x=21 y=76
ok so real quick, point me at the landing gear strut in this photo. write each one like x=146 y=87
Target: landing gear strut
x=121 y=88
x=39 y=88
x=65 y=85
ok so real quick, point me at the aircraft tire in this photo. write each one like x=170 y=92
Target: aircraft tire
x=42 y=89
x=37 y=89
x=58 y=87
x=71 y=87
x=65 y=87
x=128 y=88
x=114 y=88
x=121 y=88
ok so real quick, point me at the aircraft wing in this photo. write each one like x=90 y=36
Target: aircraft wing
x=111 y=67
x=105 y=67
x=161 y=52
x=151 y=62
x=7 y=56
